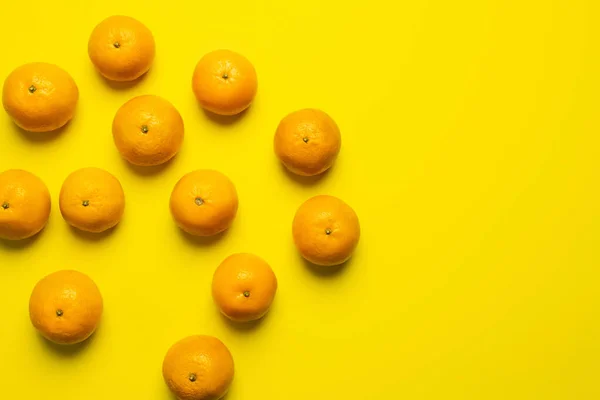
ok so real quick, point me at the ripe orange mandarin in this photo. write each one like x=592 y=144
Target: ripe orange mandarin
x=326 y=230
x=224 y=82
x=198 y=368
x=91 y=199
x=24 y=204
x=148 y=130
x=40 y=97
x=121 y=48
x=204 y=203
x=65 y=307
x=307 y=142
x=244 y=287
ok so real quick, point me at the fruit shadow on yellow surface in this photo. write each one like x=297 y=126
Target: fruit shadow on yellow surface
x=173 y=397
x=18 y=245
x=305 y=180
x=243 y=327
x=115 y=85
x=42 y=137
x=327 y=272
x=91 y=236
x=224 y=119
x=66 y=351
x=149 y=171
x=203 y=241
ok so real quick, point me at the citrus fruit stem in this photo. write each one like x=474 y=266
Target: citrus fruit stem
x=192 y=377
x=305 y=140
x=117 y=45
x=246 y=294
x=85 y=203
x=32 y=89
x=144 y=128
x=225 y=76
x=199 y=201
x=5 y=206
x=59 y=313
x=328 y=231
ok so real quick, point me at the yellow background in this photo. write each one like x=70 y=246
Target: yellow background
x=470 y=153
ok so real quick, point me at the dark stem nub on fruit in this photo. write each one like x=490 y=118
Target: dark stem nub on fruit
x=5 y=205
x=305 y=139
x=328 y=231
x=117 y=45
x=144 y=128
x=32 y=89
x=85 y=203
x=225 y=76
x=246 y=294
x=199 y=201
x=59 y=313
x=192 y=377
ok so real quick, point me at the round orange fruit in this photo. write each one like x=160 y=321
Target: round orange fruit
x=224 y=82
x=307 y=142
x=244 y=287
x=92 y=200
x=24 y=204
x=66 y=307
x=326 y=230
x=198 y=368
x=148 y=130
x=40 y=97
x=204 y=203
x=121 y=48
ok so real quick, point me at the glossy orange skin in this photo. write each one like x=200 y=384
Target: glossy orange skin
x=66 y=307
x=326 y=230
x=92 y=199
x=121 y=48
x=40 y=97
x=198 y=368
x=24 y=204
x=224 y=82
x=307 y=142
x=244 y=287
x=204 y=203
x=148 y=130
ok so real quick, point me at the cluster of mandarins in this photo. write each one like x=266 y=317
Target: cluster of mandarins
x=66 y=306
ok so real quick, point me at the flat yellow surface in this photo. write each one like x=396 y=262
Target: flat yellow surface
x=471 y=153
